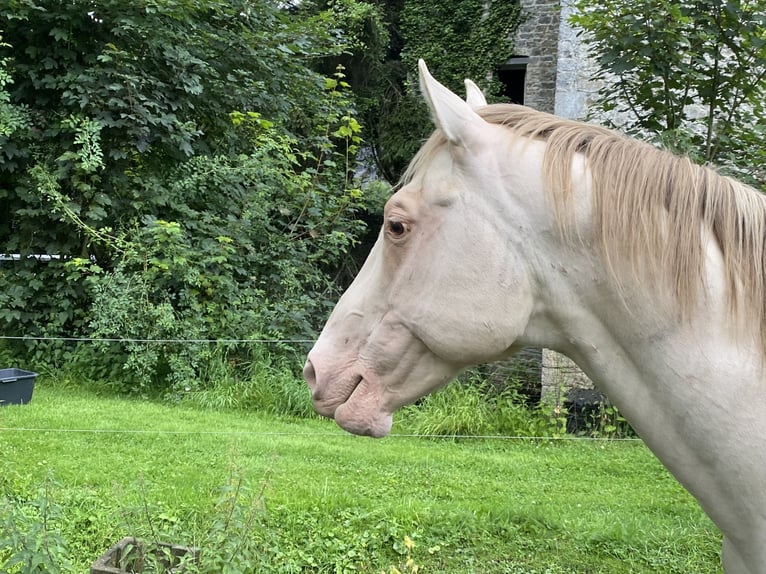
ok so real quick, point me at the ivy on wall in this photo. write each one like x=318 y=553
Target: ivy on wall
x=457 y=39
x=460 y=38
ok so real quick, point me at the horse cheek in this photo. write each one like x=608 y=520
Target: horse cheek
x=476 y=317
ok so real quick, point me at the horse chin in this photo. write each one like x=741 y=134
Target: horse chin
x=377 y=426
x=363 y=414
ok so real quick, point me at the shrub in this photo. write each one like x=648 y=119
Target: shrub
x=164 y=185
x=245 y=248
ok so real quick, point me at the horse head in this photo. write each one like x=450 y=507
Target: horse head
x=446 y=284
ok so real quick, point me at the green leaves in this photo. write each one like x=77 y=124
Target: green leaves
x=692 y=73
x=87 y=157
x=242 y=249
x=172 y=169
x=30 y=535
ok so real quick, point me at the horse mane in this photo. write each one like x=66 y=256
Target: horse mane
x=645 y=202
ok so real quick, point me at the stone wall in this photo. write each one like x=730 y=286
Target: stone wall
x=537 y=39
x=573 y=91
x=560 y=375
x=574 y=88
x=558 y=81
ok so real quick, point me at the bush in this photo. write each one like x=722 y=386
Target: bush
x=159 y=192
x=247 y=246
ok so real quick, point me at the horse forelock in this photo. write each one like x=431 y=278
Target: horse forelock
x=645 y=203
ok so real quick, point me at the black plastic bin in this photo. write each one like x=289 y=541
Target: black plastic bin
x=16 y=386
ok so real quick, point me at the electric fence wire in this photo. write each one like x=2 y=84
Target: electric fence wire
x=529 y=356
x=334 y=434
x=158 y=341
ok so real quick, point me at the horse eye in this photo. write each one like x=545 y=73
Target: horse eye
x=396 y=228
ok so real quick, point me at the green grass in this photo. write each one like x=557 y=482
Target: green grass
x=320 y=500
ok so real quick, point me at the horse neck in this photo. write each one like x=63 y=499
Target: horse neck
x=692 y=387
x=621 y=321
x=631 y=338
x=632 y=315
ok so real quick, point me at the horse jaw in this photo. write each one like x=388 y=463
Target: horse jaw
x=362 y=386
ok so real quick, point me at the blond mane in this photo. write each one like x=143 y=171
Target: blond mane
x=649 y=207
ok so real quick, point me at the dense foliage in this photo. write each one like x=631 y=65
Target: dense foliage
x=170 y=170
x=457 y=38
x=183 y=169
x=692 y=73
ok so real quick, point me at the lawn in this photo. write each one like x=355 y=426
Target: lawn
x=302 y=496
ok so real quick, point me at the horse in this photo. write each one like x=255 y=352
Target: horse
x=514 y=228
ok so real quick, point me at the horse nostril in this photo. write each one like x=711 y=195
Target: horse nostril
x=309 y=374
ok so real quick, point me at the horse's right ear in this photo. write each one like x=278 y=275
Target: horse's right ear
x=454 y=116
x=473 y=95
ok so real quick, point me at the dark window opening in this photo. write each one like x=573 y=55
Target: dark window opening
x=513 y=77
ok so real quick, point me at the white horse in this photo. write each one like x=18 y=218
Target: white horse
x=515 y=228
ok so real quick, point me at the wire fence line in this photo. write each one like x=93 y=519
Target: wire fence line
x=159 y=341
x=527 y=366
x=525 y=370
x=336 y=434
x=525 y=355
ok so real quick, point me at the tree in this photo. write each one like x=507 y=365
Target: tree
x=691 y=73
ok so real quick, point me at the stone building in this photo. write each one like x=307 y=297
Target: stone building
x=536 y=43
x=551 y=69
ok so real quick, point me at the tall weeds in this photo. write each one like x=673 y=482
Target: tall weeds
x=260 y=381
x=474 y=407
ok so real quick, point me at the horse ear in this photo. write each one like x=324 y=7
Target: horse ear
x=473 y=95
x=450 y=113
